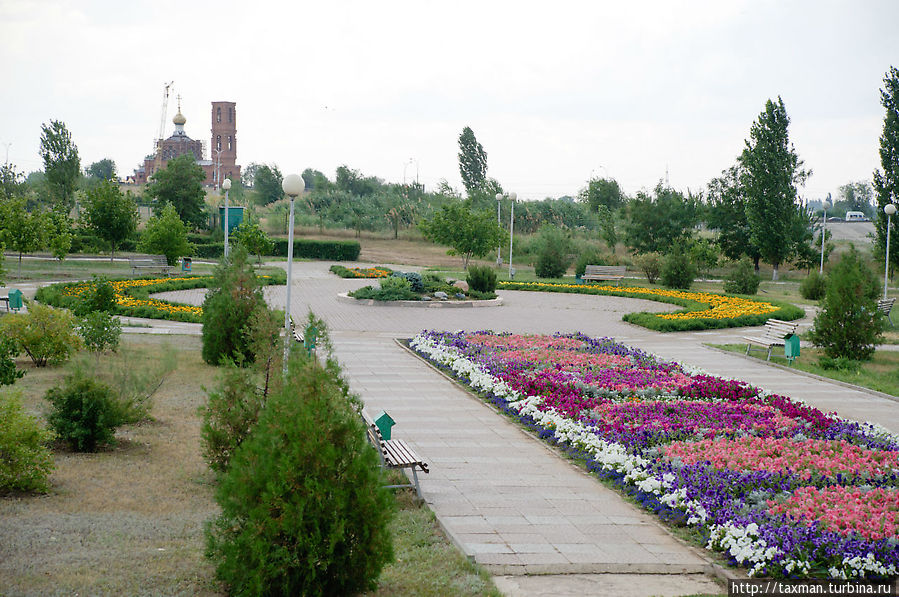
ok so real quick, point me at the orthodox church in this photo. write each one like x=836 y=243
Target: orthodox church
x=223 y=159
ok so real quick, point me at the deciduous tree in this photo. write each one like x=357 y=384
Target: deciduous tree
x=20 y=230
x=469 y=233
x=103 y=170
x=181 y=184
x=472 y=161
x=726 y=213
x=112 y=215
x=165 y=234
x=61 y=162
x=886 y=181
x=267 y=184
x=602 y=191
x=657 y=221
x=771 y=170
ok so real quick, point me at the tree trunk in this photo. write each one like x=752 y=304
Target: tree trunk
x=755 y=262
x=774 y=273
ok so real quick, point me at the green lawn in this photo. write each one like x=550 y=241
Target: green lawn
x=880 y=374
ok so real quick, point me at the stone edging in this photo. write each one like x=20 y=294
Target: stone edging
x=344 y=297
x=838 y=382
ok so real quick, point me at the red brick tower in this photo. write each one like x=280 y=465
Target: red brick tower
x=223 y=147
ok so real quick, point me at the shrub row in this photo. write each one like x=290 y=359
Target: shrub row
x=336 y=250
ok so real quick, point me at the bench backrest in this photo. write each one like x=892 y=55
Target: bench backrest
x=885 y=305
x=776 y=328
x=149 y=259
x=604 y=269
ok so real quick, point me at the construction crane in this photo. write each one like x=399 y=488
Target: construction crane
x=165 y=107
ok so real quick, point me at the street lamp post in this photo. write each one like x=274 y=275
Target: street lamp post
x=293 y=185
x=512 y=197
x=889 y=209
x=226 y=184
x=499 y=258
x=826 y=206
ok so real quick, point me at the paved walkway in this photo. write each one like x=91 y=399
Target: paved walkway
x=505 y=498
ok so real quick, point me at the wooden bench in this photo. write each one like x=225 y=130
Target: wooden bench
x=5 y=299
x=395 y=454
x=773 y=335
x=604 y=272
x=885 y=306
x=154 y=262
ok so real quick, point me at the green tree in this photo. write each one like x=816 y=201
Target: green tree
x=165 y=234
x=602 y=191
x=232 y=301
x=103 y=170
x=314 y=179
x=886 y=181
x=849 y=324
x=61 y=162
x=726 y=213
x=607 y=230
x=303 y=507
x=469 y=233
x=553 y=253
x=657 y=222
x=267 y=184
x=12 y=183
x=472 y=162
x=771 y=170
x=59 y=234
x=112 y=215
x=856 y=196
x=21 y=231
x=181 y=184
x=253 y=239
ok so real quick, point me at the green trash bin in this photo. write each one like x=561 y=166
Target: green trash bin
x=384 y=422
x=791 y=347
x=15 y=299
x=185 y=264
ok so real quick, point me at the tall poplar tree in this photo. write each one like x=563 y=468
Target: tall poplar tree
x=886 y=183
x=62 y=166
x=472 y=162
x=771 y=171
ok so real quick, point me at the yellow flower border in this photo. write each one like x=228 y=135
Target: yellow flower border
x=717 y=306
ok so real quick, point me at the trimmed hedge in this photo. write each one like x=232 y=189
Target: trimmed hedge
x=335 y=250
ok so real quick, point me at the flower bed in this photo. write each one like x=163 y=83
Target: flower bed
x=781 y=488
x=132 y=296
x=703 y=310
x=378 y=271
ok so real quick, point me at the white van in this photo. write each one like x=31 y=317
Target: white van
x=856 y=216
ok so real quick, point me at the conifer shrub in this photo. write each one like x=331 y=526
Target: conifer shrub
x=813 y=287
x=678 y=270
x=303 y=510
x=849 y=325
x=553 y=246
x=481 y=278
x=84 y=413
x=234 y=296
x=25 y=459
x=743 y=280
x=416 y=284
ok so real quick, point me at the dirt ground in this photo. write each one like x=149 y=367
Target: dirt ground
x=122 y=520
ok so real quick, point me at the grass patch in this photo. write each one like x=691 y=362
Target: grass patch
x=426 y=563
x=880 y=374
x=140 y=507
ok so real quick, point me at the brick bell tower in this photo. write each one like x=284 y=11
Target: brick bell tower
x=223 y=146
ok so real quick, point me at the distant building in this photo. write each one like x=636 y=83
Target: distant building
x=223 y=159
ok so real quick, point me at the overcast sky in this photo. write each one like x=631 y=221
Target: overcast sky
x=554 y=91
